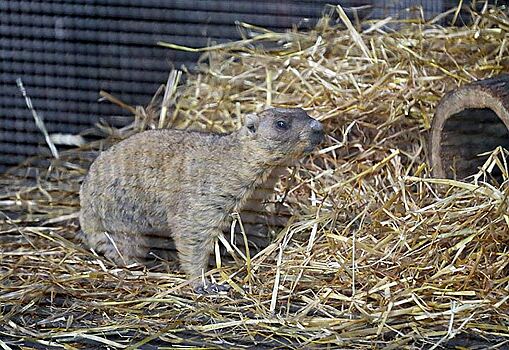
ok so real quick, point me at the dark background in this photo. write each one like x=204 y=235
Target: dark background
x=66 y=51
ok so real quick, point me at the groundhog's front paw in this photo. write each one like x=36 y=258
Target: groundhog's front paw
x=211 y=288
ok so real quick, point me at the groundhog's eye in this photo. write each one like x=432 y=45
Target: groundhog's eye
x=282 y=125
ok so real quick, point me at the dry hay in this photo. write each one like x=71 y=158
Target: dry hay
x=379 y=254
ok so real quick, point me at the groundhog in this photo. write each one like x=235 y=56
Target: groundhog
x=184 y=185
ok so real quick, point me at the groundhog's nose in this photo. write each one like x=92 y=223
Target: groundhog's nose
x=317 y=132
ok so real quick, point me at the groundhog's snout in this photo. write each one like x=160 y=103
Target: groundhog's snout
x=317 y=134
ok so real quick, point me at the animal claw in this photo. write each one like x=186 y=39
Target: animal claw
x=212 y=288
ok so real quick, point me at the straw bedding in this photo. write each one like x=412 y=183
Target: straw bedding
x=378 y=253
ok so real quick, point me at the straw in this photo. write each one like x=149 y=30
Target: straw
x=377 y=255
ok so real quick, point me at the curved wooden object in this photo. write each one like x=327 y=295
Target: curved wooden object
x=468 y=121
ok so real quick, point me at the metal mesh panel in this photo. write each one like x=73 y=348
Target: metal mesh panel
x=66 y=51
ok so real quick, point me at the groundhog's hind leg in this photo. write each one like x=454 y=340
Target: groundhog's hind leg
x=118 y=247
x=113 y=238
x=122 y=248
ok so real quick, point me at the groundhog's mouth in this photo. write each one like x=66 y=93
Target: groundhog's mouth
x=315 y=139
x=309 y=149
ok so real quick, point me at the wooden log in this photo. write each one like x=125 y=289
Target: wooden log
x=468 y=121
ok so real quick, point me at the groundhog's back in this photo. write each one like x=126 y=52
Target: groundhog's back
x=142 y=180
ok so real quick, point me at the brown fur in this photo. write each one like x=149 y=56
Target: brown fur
x=184 y=185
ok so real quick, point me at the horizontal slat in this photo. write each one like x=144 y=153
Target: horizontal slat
x=106 y=77
x=147 y=13
x=58 y=114
x=114 y=49
x=53 y=104
x=90 y=61
x=8 y=159
x=68 y=96
x=20 y=137
x=27 y=124
x=23 y=120
x=22 y=149
x=10 y=137
x=301 y=8
x=36 y=32
x=61 y=25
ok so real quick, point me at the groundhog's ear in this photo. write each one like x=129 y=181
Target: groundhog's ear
x=251 y=122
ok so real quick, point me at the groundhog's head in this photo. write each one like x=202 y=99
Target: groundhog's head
x=283 y=132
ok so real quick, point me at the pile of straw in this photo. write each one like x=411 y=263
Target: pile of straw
x=378 y=255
